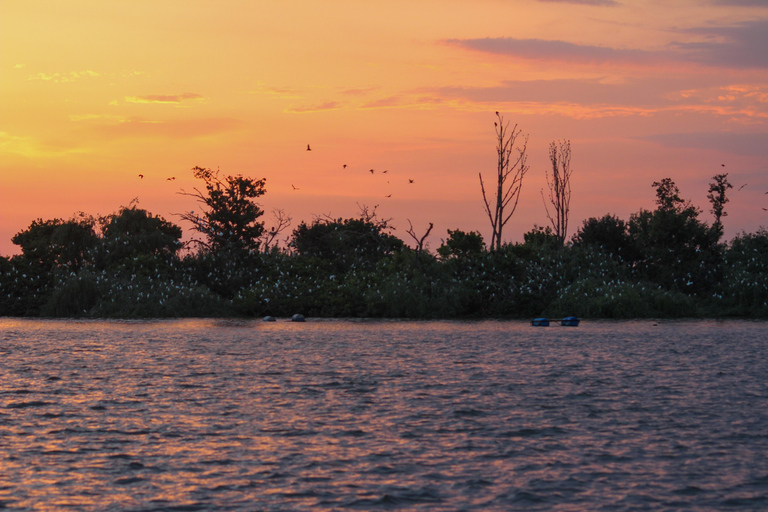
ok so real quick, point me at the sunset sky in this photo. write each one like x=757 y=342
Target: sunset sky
x=94 y=93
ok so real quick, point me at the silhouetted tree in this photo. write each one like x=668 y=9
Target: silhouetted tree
x=229 y=219
x=56 y=242
x=461 y=244
x=559 y=184
x=419 y=240
x=717 y=197
x=511 y=167
x=346 y=242
x=541 y=238
x=668 y=195
x=608 y=233
x=281 y=222
x=672 y=246
x=133 y=231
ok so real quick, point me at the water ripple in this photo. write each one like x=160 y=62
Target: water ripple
x=334 y=415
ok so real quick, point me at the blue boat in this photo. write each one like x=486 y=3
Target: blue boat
x=540 y=322
x=570 y=321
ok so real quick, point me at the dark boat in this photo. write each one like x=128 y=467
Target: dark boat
x=570 y=321
x=540 y=322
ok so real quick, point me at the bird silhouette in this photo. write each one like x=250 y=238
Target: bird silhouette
x=294 y=187
x=741 y=187
x=141 y=176
x=390 y=195
x=372 y=171
x=386 y=171
x=410 y=180
x=309 y=148
x=171 y=178
x=722 y=165
x=344 y=166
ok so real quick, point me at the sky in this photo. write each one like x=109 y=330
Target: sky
x=94 y=94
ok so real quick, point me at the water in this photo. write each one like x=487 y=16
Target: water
x=347 y=415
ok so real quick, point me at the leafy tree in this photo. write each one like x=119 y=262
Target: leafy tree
x=461 y=244
x=541 y=238
x=672 y=246
x=58 y=243
x=668 y=195
x=230 y=215
x=717 y=197
x=608 y=233
x=133 y=231
x=346 y=241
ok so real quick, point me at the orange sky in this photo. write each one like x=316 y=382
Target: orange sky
x=94 y=93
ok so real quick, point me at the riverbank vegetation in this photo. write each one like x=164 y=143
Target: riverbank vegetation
x=665 y=262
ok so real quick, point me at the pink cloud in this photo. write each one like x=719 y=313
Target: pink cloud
x=163 y=98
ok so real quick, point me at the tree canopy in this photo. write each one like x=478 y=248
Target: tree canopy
x=229 y=219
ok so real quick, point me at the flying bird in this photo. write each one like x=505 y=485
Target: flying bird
x=294 y=187
x=309 y=148
x=372 y=171
x=386 y=171
x=722 y=165
x=141 y=176
x=390 y=195
x=171 y=178
x=344 y=166
x=744 y=185
x=410 y=180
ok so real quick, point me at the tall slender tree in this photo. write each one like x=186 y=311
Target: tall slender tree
x=511 y=167
x=559 y=183
x=717 y=197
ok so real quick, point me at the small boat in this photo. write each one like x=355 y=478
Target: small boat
x=540 y=322
x=570 y=321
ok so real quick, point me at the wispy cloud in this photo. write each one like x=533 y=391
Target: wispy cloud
x=583 y=2
x=741 y=3
x=589 y=98
x=554 y=50
x=164 y=98
x=328 y=105
x=408 y=101
x=359 y=91
x=280 y=92
x=582 y=91
x=185 y=129
x=64 y=77
x=737 y=46
x=748 y=144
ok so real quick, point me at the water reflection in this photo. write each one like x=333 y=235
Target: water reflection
x=326 y=415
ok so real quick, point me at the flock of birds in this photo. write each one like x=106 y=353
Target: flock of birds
x=294 y=187
x=410 y=180
x=372 y=171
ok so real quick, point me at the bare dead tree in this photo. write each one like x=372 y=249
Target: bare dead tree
x=419 y=241
x=559 y=184
x=510 y=171
x=281 y=221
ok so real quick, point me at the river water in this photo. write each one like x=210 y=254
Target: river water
x=383 y=415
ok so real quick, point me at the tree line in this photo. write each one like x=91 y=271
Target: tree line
x=665 y=262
